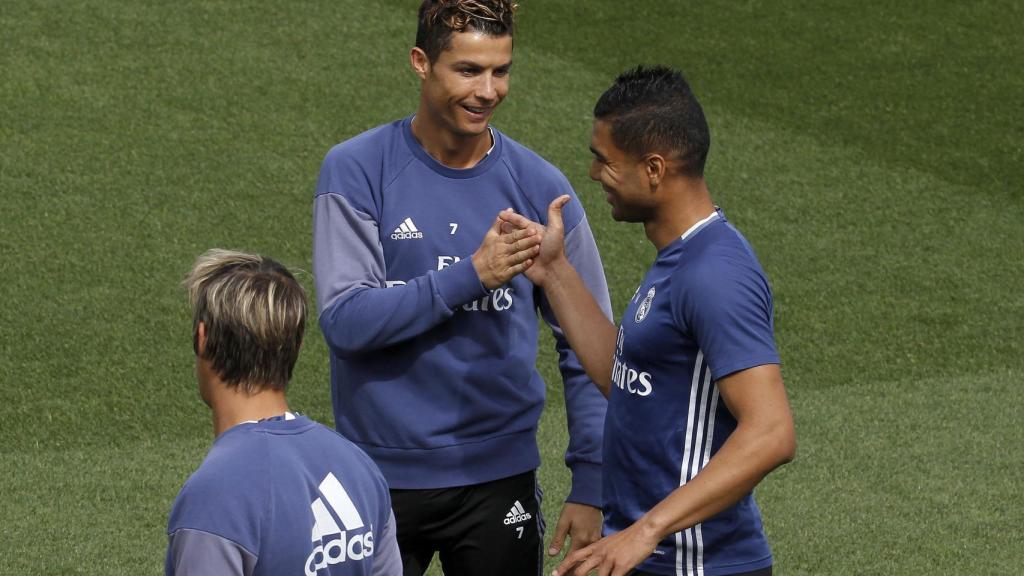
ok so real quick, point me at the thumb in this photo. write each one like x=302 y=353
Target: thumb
x=555 y=211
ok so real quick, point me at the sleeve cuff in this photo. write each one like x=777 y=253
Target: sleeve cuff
x=586 y=484
x=459 y=284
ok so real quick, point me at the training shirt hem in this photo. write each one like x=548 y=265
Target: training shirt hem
x=663 y=570
x=458 y=465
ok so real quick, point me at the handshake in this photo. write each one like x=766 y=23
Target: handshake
x=517 y=245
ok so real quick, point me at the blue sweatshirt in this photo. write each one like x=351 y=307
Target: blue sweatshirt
x=432 y=374
x=283 y=496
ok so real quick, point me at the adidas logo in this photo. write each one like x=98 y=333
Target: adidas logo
x=344 y=544
x=517 y=514
x=406 y=231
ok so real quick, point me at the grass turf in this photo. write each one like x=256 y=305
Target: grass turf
x=868 y=152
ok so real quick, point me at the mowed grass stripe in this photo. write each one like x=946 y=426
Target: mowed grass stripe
x=902 y=477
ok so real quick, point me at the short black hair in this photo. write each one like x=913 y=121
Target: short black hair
x=653 y=110
x=439 y=19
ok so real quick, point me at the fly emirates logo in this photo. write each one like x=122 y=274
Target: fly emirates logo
x=626 y=378
x=499 y=299
x=334 y=544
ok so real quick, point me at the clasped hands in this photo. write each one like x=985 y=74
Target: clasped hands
x=516 y=245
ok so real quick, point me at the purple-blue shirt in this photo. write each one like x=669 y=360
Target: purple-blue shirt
x=703 y=311
x=283 y=496
x=432 y=374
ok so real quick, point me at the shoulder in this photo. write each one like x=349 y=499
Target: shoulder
x=539 y=180
x=527 y=164
x=718 y=267
x=362 y=163
x=227 y=490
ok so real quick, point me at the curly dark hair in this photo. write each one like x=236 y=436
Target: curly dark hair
x=439 y=19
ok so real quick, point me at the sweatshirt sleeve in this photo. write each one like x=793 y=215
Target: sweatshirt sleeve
x=197 y=553
x=584 y=405
x=358 y=311
x=387 y=561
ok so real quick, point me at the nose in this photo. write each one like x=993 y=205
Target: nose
x=486 y=89
x=595 y=170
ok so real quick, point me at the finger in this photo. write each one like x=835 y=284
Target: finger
x=558 y=541
x=566 y=567
x=555 y=210
x=495 y=228
x=576 y=542
x=519 y=234
x=576 y=558
x=515 y=219
x=585 y=537
x=589 y=564
x=520 y=257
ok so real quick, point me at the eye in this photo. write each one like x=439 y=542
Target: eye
x=501 y=72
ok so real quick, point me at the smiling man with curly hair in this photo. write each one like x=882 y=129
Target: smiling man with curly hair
x=431 y=327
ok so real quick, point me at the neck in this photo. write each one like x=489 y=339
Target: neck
x=232 y=406
x=457 y=151
x=686 y=201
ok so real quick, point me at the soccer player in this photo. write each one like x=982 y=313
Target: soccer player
x=697 y=412
x=431 y=328
x=277 y=493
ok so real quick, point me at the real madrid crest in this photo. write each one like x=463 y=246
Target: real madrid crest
x=645 y=306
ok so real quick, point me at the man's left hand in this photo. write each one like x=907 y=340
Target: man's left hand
x=581 y=523
x=615 y=555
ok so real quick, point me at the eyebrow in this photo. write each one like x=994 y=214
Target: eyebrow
x=472 y=64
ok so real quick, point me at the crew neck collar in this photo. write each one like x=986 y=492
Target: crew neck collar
x=485 y=163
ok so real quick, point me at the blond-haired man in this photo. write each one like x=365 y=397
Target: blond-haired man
x=277 y=493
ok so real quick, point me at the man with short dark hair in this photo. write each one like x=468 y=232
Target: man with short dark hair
x=432 y=331
x=697 y=412
x=277 y=493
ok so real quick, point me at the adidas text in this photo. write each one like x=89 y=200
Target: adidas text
x=509 y=520
x=406 y=235
x=338 y=550
x=407 y=230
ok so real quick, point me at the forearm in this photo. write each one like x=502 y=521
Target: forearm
x=589 y=332
x=361 y=309
x=366 y=319
x=743 y=461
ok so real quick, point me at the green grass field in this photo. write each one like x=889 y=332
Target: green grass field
x=872 y=153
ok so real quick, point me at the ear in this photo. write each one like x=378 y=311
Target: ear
x=420 y=63
x=654 y=166
x=200 y=342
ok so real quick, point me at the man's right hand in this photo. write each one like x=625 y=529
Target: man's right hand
x=501 y=257
x=552 y=248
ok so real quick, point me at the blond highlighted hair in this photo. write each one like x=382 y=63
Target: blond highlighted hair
x=439 y=19
x=254 y=312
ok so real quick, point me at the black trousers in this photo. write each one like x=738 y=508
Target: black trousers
x=494 y=528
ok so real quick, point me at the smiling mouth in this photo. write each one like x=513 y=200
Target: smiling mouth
x=477 y=111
